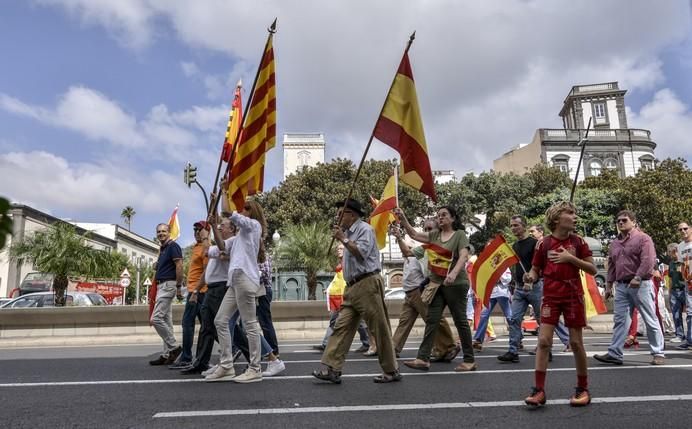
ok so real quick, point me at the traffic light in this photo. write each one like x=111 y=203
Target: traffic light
x=190 y=176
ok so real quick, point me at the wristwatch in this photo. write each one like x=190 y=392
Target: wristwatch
x=637 y=278
x=345 y=241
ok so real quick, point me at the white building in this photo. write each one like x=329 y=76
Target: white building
x=444 y=176
x=302 y=149
x=611 y=144
x=27 y=219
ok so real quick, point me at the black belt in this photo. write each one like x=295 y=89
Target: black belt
x=361 y=277
x=629 y=279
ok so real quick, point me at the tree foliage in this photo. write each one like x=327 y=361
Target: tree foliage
x=127 y=214
x=5 y=222
x=61 y=251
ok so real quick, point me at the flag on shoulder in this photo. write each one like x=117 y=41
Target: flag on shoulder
x=401 y=127
x=491 y=263
x=382 y=215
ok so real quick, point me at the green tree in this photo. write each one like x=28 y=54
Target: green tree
x=61 y=251
x=5 y=222
x=303 y=247
x=127 y=214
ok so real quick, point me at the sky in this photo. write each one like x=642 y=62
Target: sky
x=102 y=103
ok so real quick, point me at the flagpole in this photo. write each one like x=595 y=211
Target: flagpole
x=396 y=184
x=372 y=135
x=581 y=143
x=271 y=30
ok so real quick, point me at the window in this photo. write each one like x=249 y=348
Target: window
x=646 y=162
x=600 y=114
x=303 y=158
x=611 y=164
x=595 y=167
x=561 y=162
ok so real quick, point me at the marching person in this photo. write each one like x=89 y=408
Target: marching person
x=685 y=268
x=559 y=257
x=169 y=279
x=363 y=297
x=449 y=284
x=631 y=261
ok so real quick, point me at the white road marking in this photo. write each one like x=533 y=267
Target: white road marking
x=408 y=407
x=364 y=375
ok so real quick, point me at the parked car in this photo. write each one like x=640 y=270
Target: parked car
x=397 y=293
x=47 y=299
x=4 y=300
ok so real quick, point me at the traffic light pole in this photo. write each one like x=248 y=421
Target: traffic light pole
x=190 y=177
x=206 y=200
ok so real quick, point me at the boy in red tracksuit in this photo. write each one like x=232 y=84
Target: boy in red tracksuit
x=559 y=257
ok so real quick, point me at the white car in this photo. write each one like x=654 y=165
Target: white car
x=47 y=299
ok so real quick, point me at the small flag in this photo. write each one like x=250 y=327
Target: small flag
x=491 y=263
x=174 y=225
x=593 y=302
x=382 y=214
x=234 y=120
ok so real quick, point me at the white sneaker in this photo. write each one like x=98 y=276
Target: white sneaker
x=676 y=340
x=274 y=367
x=249 y=376
x=221 y=374
x=211 y=370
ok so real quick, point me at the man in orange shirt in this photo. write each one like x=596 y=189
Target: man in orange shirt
x=193 y=304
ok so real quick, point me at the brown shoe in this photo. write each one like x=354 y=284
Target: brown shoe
x=173 y=355
x=417 y=364
x=658 y=360
x=466 y=366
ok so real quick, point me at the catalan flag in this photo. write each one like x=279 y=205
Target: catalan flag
x=235 y=118
x=593 y=302
x=491 y=263
x=174 y=225
x=382 y=215
x=401 y=127
x=257 y=136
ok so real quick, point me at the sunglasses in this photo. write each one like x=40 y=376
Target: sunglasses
x=683 y=229
x=197 y=229
x=427 y=229
x=161 y=232
x=623 y=220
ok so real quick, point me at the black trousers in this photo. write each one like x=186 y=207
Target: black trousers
x=207 y=334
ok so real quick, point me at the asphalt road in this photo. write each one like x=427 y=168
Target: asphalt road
x=114 y=387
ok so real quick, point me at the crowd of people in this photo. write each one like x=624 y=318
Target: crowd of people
x=229 y=292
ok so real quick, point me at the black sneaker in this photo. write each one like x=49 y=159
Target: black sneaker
x=158 y=361
x=173 y=355
x=194 y=369
x=607 y=358
x=319 y=347
x=180 y=365
x=509 y=357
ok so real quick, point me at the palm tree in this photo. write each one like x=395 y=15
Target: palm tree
x=305 y=246
x=61 y=251
x=128 y=213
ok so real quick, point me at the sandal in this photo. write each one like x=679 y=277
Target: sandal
x=466 y=366
x=417 y=364
x=388 y=378
x=328 y=374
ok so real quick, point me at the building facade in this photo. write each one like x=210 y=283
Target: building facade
x=302 y=150
x=611 y=144
x=26 y=220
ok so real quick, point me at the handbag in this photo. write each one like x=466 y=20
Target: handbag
x=429 y=292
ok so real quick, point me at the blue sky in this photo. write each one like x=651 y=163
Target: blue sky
x=103 y=102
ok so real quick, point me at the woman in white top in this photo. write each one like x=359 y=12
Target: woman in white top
x=499 y=295
x=244 y=288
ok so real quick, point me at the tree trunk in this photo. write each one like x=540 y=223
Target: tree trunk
x=59 y=287
x=312 y=285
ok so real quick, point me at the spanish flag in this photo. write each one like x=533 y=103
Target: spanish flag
x=235 y=118
x=382 y=215
x=491 y=263
x=593 y=302
x=439 y=259
x=401 y=127
x=174 y=225
x=258 y=134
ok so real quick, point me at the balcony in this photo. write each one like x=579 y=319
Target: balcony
x=573 y=135
x=597 y=87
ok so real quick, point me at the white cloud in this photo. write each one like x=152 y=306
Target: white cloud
x=189 y=68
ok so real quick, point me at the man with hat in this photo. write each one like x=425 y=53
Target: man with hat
x=195 y=296
x=363 y=297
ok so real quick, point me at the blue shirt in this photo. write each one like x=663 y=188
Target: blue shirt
x=363 y=236
x=165 y=265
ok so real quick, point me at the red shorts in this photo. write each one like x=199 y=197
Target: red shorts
x=570 y=306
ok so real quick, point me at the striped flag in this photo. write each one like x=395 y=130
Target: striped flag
x=491 y=263
x=174 y=225
x=593 y=302
x=401 y=127
x=257 y=136
x=382 y=215
x=234 y=120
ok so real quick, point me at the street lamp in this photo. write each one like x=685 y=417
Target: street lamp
x=276 y=238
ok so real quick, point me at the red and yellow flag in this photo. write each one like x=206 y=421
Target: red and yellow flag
x=439 y=259
x=401 y=127
x=257 y=136
x=382 y=215
x=593 y=302
x=235 y=118
x=174 y=225
x=491 y=263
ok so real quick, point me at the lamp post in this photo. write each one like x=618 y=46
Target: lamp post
x=276 y=238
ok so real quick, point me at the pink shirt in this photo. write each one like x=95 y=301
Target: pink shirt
x=631 y=255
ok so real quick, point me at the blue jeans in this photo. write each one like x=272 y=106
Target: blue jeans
x=485 y=316
x=689 y=317
x=677 y=302
x=193 y=310
x=626 y=300
x=264 y=317
x=239 y=337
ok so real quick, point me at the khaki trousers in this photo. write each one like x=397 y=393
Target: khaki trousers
x=363 y=300
x=414 y=306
